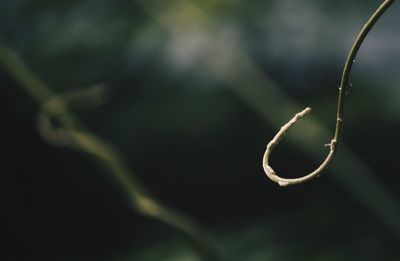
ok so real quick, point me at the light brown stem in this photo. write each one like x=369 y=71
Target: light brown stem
x=343 y=90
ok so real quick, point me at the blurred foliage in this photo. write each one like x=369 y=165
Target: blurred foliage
x=195 y=90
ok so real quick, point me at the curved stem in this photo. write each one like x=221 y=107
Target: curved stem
x=343 y=90
x=345 y=83
x=73 y=134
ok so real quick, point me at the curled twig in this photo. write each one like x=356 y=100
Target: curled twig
x=284 y=129
x=343 y=90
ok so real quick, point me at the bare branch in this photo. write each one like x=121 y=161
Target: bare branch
x=343 y=90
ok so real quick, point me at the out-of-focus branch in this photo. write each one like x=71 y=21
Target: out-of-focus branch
x=71 y=133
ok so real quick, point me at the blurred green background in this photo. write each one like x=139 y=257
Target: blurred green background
x=194 y=91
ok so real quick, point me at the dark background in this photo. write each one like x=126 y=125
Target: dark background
x=195 y=89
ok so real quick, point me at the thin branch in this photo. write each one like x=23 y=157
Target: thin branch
x=73 y=134
x=343 y=90
x=284 y=129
